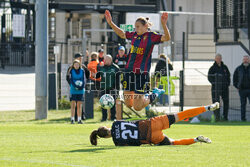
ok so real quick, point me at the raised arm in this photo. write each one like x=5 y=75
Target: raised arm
x=164 y=19
x=117 y=30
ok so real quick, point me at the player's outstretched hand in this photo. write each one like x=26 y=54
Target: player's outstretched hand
x=164 y=18
x=108 y=16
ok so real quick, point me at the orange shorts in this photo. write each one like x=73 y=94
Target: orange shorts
x=157 y=125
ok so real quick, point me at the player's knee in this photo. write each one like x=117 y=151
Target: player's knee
x=128 y=103
x=138 y=107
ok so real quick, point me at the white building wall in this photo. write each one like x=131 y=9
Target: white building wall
x=197 y=24
x=191 y=24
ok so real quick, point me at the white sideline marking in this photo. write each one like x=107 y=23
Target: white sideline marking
x=41 y=162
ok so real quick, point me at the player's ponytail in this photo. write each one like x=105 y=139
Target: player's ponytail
x=93 y=137
x=148 y=22
x=144 y=21
x=100 y=132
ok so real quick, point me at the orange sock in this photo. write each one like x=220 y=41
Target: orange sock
x=190 y=113
x=184 y=142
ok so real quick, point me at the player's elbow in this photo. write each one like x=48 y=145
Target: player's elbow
x=169 y=38
x=122 y=35
x=165 y=38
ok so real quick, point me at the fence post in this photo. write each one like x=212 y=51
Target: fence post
x=248 y=22
x=182 y=73
x=181 y=90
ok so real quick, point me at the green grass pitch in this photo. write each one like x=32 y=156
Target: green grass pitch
x=56 y=143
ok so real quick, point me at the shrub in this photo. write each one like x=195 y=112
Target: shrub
x=63 y=103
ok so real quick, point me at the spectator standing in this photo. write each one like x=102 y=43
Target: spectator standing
x=77 y=83
x=92 y=67
x=161 y=70
x=86 y=61
x=219 y=77
x=78 y=56
x=241 y=81
x=110 y=83
x=101 y=57
x=121 y=58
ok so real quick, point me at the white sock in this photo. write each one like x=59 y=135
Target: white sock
x=79 y=119
x=207 y=108
x=73 y=118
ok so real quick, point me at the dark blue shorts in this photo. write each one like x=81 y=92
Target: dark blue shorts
x=139 y=83
x=76 y=97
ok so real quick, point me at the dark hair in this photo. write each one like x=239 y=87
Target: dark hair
x=78 y=55
x=100 y=50
x=100 y=132
x=144 y=21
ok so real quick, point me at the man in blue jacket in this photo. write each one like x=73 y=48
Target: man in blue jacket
x=241 y=81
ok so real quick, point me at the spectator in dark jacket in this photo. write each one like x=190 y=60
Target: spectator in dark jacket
x=160 y=70
x=86 y=58
x=101 y=57
x=121 y=58
x=161 y=65
x=110 y=83
x=241 y=80
x=219 y=77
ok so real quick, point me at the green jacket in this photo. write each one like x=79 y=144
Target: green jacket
x=110 y=77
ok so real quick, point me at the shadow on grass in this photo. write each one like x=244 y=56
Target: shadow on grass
x=92 y=149
x=59 y=120
x=65 y=120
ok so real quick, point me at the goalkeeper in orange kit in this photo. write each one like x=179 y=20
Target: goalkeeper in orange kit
x=135 y=133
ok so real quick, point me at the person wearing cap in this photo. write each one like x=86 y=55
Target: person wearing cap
x=121 y=57
x=110 y=83
x=78 y=56
x=101 y=57
x=77 y=83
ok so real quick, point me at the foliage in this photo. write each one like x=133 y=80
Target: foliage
x=63 y=103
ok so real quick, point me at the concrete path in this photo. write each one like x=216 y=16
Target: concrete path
x=233 y=114
x=17 y=88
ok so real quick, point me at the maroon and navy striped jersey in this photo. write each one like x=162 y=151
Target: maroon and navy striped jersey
x=141 y=50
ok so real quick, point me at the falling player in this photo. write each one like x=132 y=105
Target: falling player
x=125 y=133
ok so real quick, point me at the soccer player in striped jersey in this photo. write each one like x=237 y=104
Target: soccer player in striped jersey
x=136 y=80
x=127 y=133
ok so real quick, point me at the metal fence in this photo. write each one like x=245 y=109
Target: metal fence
x=17 y=54
x=231 y=14
x=16 y=51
